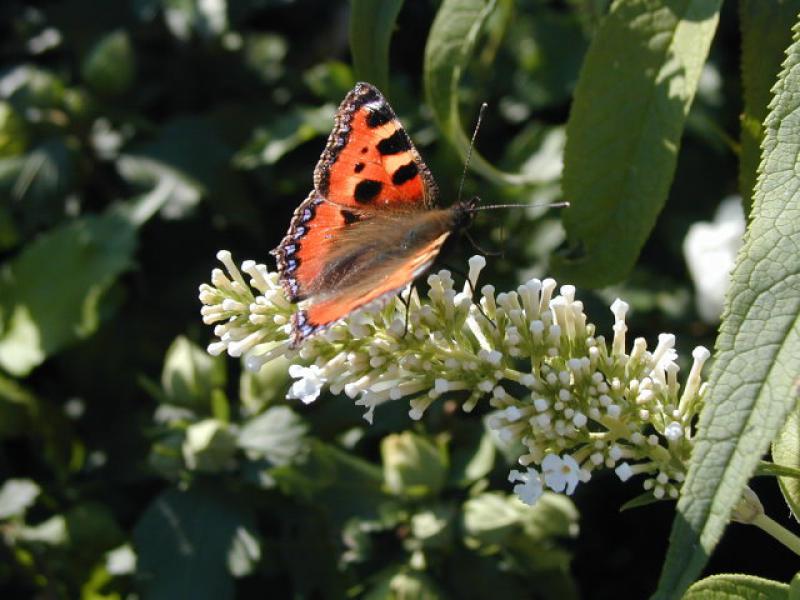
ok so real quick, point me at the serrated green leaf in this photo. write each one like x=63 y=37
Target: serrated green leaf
x=371 y=26
x=450 y=43
x=634 y=92
x=737 y=587
x=753 y=384
x=766 y=32
x=187 y=542
x=51 y=294
x=786 y=452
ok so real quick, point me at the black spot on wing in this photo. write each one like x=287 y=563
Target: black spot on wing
x=395 y=143
x=379 y=116
x=350 y=217
x=367 y=190
x=359 y=167
x=405 y=173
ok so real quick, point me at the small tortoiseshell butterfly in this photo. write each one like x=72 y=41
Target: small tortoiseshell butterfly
x=370 y=226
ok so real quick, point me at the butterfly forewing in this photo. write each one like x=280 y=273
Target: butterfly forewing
x=369 y=159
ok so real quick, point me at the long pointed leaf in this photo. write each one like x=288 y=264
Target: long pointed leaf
x=766 y=32
x=452 y=38
x=754 y=380
x=371 y=25
x=634 y=92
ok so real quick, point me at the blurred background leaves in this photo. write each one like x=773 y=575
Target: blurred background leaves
x=137 y=138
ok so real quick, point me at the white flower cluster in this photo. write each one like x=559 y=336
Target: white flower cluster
x=575 y=403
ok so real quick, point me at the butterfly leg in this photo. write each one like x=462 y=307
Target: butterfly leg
x=407 y=303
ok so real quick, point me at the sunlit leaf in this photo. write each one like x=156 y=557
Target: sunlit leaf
x=753 y=384
x=635 y=89
x=51 y=293
x=277 y=434
x=737 y=587
x=272 y=142
x=786 y=452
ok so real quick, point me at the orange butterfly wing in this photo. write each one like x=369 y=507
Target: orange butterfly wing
x=346 y=245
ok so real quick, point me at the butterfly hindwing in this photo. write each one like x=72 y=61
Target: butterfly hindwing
x=387 y=278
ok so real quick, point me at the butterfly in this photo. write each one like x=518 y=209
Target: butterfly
x=370 y=226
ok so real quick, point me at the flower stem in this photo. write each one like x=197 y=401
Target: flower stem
x=779 y=532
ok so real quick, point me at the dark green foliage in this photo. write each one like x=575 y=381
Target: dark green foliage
x=138 y=138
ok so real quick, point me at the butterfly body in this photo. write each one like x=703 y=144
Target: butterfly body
x=370 y=226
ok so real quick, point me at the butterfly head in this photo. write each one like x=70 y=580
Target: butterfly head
x=464 y=213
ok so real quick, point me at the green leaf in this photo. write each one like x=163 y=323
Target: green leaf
x=110 y=66
x=209 y=446
x=753 y=384
x=786 y=452
x=634 y=92
x=490 y=519
x=190 y=375
x=493 y=518
x=412 y=465
x=259 y=389
x=51 y=293
x=768 y=468
x=187 y=543
x=16 y=496
x=641 y=500
x=17 y=409
x=278 y=435
x=404 y=584
x=794 y=587
x=766 y=33
x=33 y=186
x=167 y=189
x=13 y=131
x=371 y=26
x=450 y=43
x=272 y=142
x=473 y=458
x=737 y=587
x=433 y=528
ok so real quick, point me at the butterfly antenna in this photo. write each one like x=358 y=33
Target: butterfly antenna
x=484 y=106
x=564 y=204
